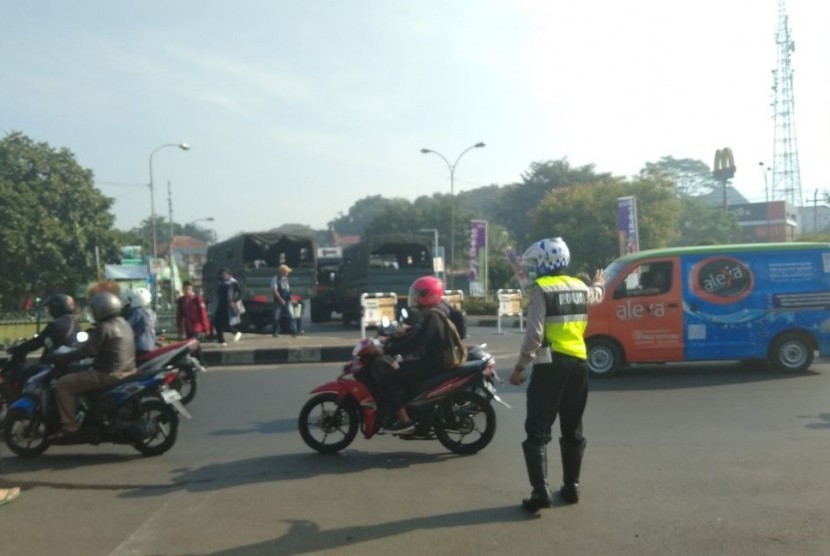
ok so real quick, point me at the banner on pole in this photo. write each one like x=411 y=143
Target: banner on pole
x=628 y=235
x=478 y=256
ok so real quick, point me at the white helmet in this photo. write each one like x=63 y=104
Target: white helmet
x=545 y=256
x=140 y=297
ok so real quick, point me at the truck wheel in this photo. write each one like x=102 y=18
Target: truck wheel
x=320 y=312
x=603 y=358
x=791 y=353
x=349 y=318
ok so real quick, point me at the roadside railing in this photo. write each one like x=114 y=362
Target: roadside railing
x=16 y=327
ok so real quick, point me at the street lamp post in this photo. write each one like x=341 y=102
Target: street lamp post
x=434 y=248
x=765 y=170
x=451 y=168
x=212 y=234
x=171 y=261
x=184 y=147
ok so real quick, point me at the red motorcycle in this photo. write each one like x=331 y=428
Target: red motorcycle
x=453 y=407
x=186 y=364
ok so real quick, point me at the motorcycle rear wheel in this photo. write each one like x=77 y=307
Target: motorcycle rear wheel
x=163 y=422
x=325 y=427
x=25 y=434
x=468 y=423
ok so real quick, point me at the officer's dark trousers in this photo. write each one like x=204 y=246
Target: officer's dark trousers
x=558 y=388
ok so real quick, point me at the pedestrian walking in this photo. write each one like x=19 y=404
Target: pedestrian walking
x=283 y=308
x=191 y=314
x=556 y=320
x=227 y=317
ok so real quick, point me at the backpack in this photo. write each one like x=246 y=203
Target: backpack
x=454 y=352
x=457 y=318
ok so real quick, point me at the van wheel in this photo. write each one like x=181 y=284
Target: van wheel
x=791 y=353
x=603 y=358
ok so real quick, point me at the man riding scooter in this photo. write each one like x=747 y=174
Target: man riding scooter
x=111 y=344
x=60 y=331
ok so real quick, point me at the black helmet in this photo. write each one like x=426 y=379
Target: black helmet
x=105 y=305
x=59 y=304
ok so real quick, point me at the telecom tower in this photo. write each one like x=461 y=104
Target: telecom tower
x=786 y=176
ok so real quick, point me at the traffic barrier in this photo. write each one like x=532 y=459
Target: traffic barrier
x=375 y=306
x=455 y=299
x=510 y=305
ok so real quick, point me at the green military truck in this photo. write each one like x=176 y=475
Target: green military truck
x=387 y=263
x=253 y=259
x=326 y=298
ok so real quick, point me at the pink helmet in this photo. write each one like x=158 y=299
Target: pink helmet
x=426 y=291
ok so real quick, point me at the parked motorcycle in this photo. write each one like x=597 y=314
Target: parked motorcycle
x=453 y=407
x=185 y=363
x=141 y=410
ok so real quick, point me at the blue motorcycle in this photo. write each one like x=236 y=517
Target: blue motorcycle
x=141 y=410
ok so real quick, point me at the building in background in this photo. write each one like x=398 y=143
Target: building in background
x=189 y=254
x=767 y=222
x=814 y=218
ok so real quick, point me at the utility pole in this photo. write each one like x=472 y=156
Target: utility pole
x=786 y=175
x=172 y=262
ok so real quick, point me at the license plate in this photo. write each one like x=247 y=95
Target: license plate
x=170 y=396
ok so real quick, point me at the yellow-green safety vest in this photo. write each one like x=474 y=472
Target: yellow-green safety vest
x=566 y=314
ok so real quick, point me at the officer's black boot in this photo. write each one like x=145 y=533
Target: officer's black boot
x=571 y=464
x=536 y=460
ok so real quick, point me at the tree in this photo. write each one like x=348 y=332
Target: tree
x=691 y=177
x=585 y=216
x=53 y=221
x=703 y=223
x=143 y=233
x=520 y=199
x=397 y=216
x=359 y=216
x=500 y=271
x=700 y=221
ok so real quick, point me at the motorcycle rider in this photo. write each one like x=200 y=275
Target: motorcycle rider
x=422 y=345
x=141 y=317
x=111 y=345
x=60 y=331
x=556 y=321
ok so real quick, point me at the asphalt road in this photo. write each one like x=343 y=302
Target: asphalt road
x=695 y=459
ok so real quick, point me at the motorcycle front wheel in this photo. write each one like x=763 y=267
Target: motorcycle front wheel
x=467 y=423
x=186 y=383
x=325 y=427
x=161 y=423
x=25 y=434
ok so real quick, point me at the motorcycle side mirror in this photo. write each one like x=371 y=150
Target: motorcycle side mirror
x=404 y=314
x=385 y=328
x=82 y=336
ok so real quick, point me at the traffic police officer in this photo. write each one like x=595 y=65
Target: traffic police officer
x=553 y=341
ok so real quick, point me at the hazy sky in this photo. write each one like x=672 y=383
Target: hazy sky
x=295 y=110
